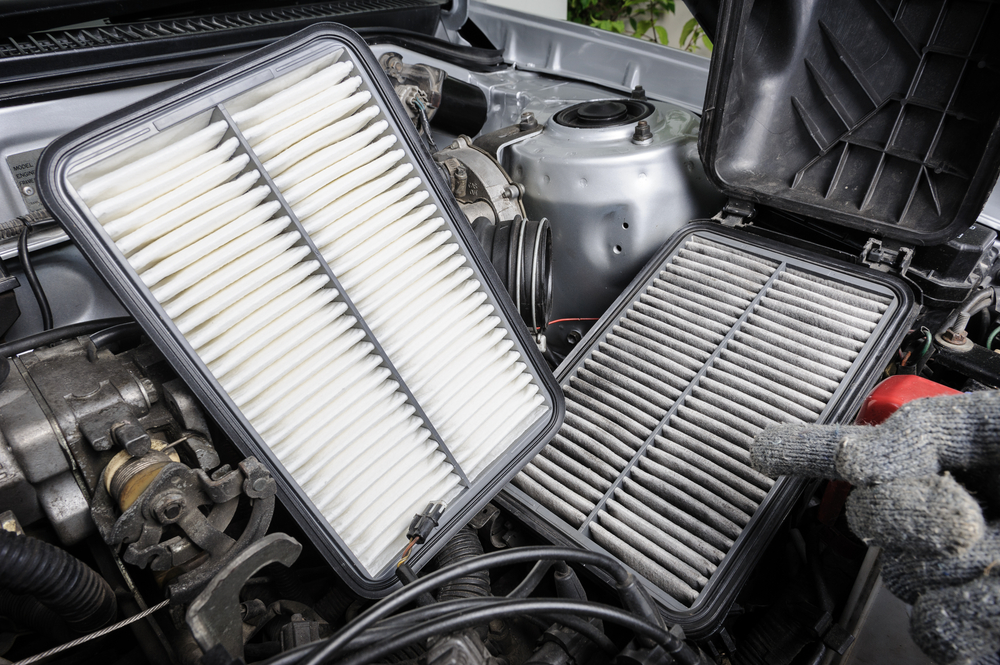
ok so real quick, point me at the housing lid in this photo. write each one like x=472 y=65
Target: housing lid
x=881 y=116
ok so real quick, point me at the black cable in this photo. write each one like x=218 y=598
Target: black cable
x=422 y=114
x=531 y=580
x=503 y=608
x=461 y=609
x=24 y=257
x=625 y=581
x=59 y=334
x=391 y=626
x=122 y=331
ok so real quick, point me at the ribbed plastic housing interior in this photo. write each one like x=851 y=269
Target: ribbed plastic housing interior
x=299 y=251
x=652 y=463
x=879 y=116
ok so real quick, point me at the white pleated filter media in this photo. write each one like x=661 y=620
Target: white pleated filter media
x=210 y=238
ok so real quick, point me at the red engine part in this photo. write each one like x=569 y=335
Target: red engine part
x=896 y=391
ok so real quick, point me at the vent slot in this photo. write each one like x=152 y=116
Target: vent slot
x=133 y=33
x=292 y=237
x=652 y=463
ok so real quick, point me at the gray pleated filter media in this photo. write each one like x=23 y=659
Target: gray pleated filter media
x=716 y=340
x=277 y=228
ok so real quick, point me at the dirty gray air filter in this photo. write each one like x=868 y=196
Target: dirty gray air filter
x=277 y=228
x=716 y=339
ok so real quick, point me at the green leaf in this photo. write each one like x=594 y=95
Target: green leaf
x=686 y=30
x=661 y=34
x=707 y=42
x=642 y=27
x=617 y=26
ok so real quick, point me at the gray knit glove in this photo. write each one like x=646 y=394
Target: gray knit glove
x=941 y=553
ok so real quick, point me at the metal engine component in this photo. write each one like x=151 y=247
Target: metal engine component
x=519 y=249
x=430 y=96
x=214 y=616
x=93 y=437
x=461 y=648
x=612 y=199
x=417 y=86
x=159 y=496
x=75 y=401
x=479 y=183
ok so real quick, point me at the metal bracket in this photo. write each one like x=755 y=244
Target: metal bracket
x=736 y=213
x=886 y=256
x=494 y=142
x=214 y=615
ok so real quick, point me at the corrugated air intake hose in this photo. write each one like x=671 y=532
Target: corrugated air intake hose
x=56 y=579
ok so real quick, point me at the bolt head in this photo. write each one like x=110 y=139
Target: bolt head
x=260 y=485
x=169 y=506
x=28 y=190
x=528 y=121
x=953 y=337
x=642 y=134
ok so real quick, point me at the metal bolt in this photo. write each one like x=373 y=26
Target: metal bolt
x=638 y=93
x=512 y=191
x=28 y=190
x=260 y=485
x=643 y=135
x=148 y=390
x=528 y=121
x=168 y=507
x=952 y=337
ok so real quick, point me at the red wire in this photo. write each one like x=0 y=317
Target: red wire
x=561 y=320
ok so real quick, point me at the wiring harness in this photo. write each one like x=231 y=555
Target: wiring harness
x=380 y=631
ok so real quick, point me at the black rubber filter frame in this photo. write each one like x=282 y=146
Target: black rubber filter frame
x=706 y=614
x=879 y=116
x=210 y=91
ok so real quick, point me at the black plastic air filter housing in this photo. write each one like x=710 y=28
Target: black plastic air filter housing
x=877 y=116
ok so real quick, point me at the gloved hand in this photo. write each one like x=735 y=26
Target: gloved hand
x=941 y=553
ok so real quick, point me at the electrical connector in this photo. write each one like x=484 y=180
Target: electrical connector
x=424 y=523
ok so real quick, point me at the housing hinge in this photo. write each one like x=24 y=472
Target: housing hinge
x=887 y=256
x=736 y=213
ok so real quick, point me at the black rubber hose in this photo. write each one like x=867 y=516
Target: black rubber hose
x=503 y=608
x=56 y=579
x=632 y=593
x=464 y=545
x=59 y=334
x=31 y=615
x=24 y=257
x=485 y=609
x=116 y=334
x=392 y=625
x=531 y=580
x=288 y=584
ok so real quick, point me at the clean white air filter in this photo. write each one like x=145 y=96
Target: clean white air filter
x=315 y=285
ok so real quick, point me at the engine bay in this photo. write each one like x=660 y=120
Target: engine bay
x=537 y=387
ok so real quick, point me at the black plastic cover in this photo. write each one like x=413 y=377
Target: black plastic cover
x=879 y=115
